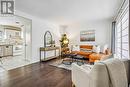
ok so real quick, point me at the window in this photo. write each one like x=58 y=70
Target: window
x=122 y=34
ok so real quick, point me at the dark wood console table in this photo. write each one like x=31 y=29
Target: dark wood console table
x=45 y=49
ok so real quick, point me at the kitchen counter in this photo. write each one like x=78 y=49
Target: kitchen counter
x=6 y=44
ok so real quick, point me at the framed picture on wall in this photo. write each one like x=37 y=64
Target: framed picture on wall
x=88 y=35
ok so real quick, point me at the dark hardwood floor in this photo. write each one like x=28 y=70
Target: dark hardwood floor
x=36 y=75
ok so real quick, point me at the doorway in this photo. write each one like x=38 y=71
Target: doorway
x=15 y=42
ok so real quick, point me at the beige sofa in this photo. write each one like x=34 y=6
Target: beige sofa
x=109 y=73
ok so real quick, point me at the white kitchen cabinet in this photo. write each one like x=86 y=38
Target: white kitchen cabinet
x=6 y=50
x=17 y=50
x=1 y=50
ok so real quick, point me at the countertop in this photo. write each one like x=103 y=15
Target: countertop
x=6 y=44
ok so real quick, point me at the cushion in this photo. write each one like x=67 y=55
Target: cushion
x=108 y=52
x=84 y=53
x=96 y=49
x=87 y=67
x=127 y=66
x=117 y=72
x=75 y=48
x=96 y=56
x=99 y=76
x=105 y=47
x=86 y=46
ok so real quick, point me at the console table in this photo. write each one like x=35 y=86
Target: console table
x=45 y=49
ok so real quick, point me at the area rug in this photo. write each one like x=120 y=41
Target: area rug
x=59 y=64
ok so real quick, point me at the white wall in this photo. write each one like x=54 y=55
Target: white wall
x=39 y=27
x=102 y=32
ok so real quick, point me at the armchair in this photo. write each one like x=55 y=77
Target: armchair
x=109 y=73
x=83 y=76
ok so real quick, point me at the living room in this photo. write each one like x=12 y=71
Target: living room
x=65 y=43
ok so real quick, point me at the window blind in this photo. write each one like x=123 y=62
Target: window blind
x=122 y=33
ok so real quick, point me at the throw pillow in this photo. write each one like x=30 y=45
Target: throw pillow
x=96 y=49
x=75 y=48
x=105 y=48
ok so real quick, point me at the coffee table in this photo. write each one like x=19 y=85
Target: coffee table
x=80 y=59
x=70 y=58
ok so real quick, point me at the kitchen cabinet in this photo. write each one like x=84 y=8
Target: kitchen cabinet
x=17 y=50
x=6 y=50
x=1 y=50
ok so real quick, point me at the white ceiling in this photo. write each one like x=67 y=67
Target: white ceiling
x=64 y=11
